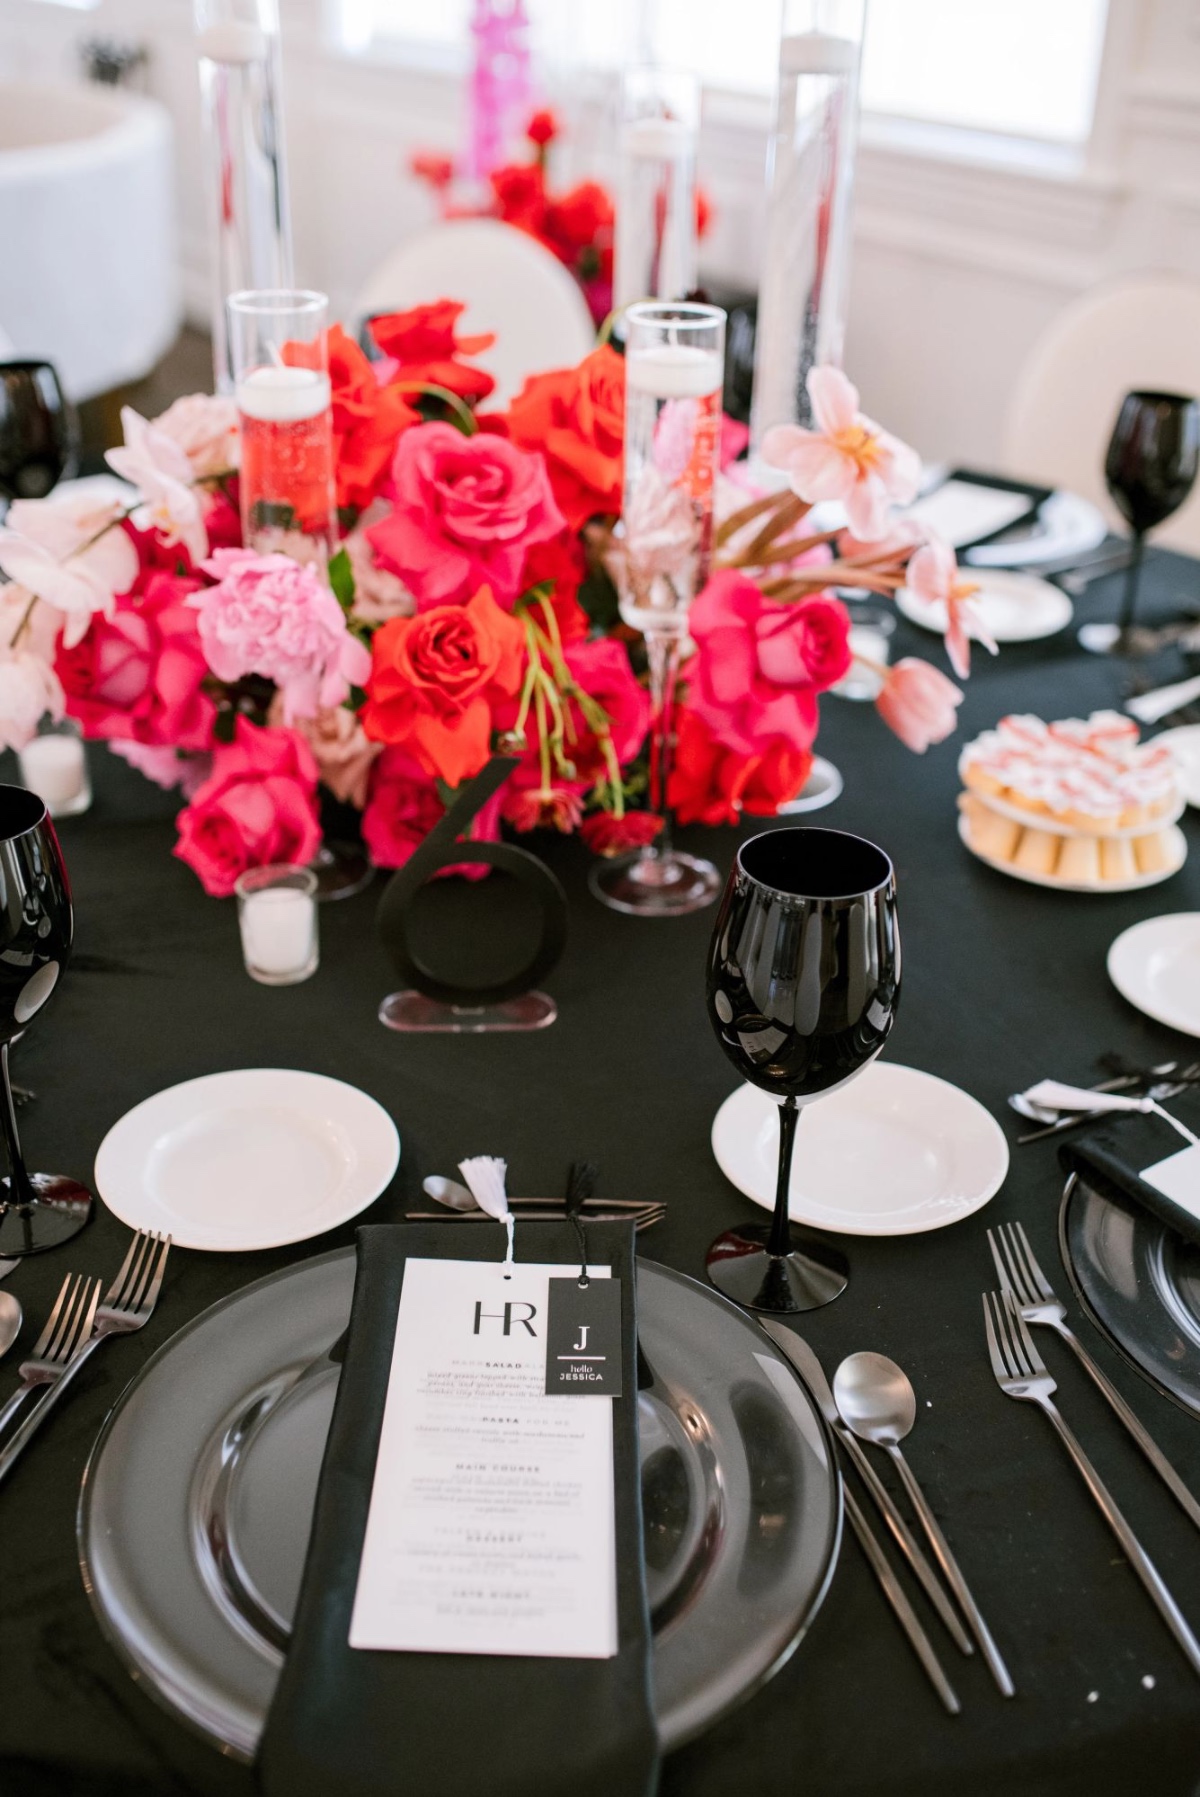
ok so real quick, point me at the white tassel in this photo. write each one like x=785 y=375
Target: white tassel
x=485 y=1175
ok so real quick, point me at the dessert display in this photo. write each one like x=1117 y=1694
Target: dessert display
x=1080 y=803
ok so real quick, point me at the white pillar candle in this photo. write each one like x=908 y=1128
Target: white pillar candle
x=675 y=371
x=232 y=40
x=55 y=769
x=661 y=140
x=278 y=928
x=283 y=395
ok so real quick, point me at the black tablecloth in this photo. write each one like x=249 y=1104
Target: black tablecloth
x=1003 y=982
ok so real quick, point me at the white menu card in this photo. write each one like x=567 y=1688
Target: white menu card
x=491 y=1527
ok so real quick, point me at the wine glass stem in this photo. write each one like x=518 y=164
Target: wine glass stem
x=22 y=1191
x=662 y=653
x=780 y=1238
x=1133 y=575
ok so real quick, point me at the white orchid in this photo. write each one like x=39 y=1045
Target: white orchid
x=29 y=688
x=159 y=468
x=71 y=553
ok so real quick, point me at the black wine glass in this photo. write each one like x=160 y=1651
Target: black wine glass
x=803 y=982
x=1150 y=469
x=38 y=430
x=37 y=1210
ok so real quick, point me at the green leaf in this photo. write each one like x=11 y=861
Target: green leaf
x=341 y=578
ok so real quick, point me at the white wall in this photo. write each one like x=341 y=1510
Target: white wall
x=962 y=256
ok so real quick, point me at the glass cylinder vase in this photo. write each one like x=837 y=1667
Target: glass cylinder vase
x=280 y=356
x=805 y=268
x=241 y=98
x=655 y=240
x=674 y=372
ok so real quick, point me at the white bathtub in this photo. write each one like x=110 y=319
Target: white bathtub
x=88 y=266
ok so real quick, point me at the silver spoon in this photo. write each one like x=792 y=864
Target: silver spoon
x=877 y=1401
x=10 y=1321
x=448 y=1192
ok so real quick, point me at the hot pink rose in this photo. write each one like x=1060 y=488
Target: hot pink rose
x=166 y=767
x=137 y=675
x=257 y=807
x=759 y=664
x=918 y=703
x=467 y=509
x=403 y=808
x=269 y=615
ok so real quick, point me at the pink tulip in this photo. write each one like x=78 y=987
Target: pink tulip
x=919 y=704
x=848 y=457
x=933 y=576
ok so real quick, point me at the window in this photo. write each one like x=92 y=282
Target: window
x=1024 y=68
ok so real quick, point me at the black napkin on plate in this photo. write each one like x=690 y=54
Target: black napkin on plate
x=1113 y=1157
x=363 y=1723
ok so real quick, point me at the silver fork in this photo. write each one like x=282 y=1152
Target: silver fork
x=68 y=1324
x=128 y=1306
x=1021 y=1373
x=1019 y=1274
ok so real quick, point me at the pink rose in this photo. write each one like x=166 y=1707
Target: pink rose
x=343 y=752
x=138 y=674
x=205 y=426
x=378 y=594
x=918 y=703
x=467 y=509
x=257 y=807
x=268 y=615
x=759 y=663
x=166 y=767
x=403 y=808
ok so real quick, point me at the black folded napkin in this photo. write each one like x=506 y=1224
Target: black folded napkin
x=362 y=1723
x=1114 y=1156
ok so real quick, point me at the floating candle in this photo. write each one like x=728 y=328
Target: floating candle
x=662 y=139
x=283 y=395
x=675 y=371
x=232 y=40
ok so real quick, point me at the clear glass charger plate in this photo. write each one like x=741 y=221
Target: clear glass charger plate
x=1139 y=1283
x=197 y=1500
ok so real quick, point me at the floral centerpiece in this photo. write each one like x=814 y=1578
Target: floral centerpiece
x=466 y=607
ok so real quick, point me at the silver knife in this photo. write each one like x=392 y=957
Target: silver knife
x=809 y=1368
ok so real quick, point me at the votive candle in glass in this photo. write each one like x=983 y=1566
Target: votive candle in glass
x=277 y=916
x=279 y=345
x=870 y=640
x=54 y=765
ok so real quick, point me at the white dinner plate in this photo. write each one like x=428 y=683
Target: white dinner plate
x=252 y=1159
x=1184 y=744
x=1156 y=965
x=1178 y=844
x=1013 y=608
x=1066 y=525
x=894 y=1152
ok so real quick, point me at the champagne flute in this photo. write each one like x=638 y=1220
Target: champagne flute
x=37 y=1210
x=1150 y=469
x=803 y=982
x=38 y=431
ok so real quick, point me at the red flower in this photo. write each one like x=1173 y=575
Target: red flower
x=137 y=675
x=601 y=668
x=427 y=165
x=436 y=680
x=520 y=191
x=581 y=219
x=467 y=510
x=258 y=806
x=607 y=835
x=542 y=128
x=711 y=784
x=704 y=212
x=542 y=807
x=424 y=344
x=562 y=563
x=404 y=806
x=367 y=420
x=576 y=417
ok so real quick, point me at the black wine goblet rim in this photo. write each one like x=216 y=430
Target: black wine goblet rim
x=1153 y=397
x=20 y=812
x=861 y=867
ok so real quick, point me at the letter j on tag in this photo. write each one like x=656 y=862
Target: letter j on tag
x=583 y=1338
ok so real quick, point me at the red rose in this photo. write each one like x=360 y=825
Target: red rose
x=467 y=509
x=711 y=784
x=520 y=192
x=542 y=128
x=137 y=675
x=424 y=344
x=576 y=418
x=436 y=680
x=581 y=219
x=607 y=835
x=257 y=807
x=561 y=564
x=404 y=807
x=367 y=419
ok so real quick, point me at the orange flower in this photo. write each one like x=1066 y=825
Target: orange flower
x=576 y=417
x=367 y=419
x=424 y=343
x=436 y=679
x=711 y=784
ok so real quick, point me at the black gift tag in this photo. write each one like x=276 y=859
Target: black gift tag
x=583 y=1338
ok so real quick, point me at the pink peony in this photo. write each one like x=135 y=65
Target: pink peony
x=257 y=807
x=166 y=767
x=467 y=509
x=72 y=551
x=847 y=457
x=759 y=664
x=158 y=467
x=205 y=426
x=933 y=576
x=343 y=751
x=269 y=615
x=139 y=674
x=918 y=703
x=404 y=806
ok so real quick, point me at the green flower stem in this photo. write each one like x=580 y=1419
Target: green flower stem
x=464 y=416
